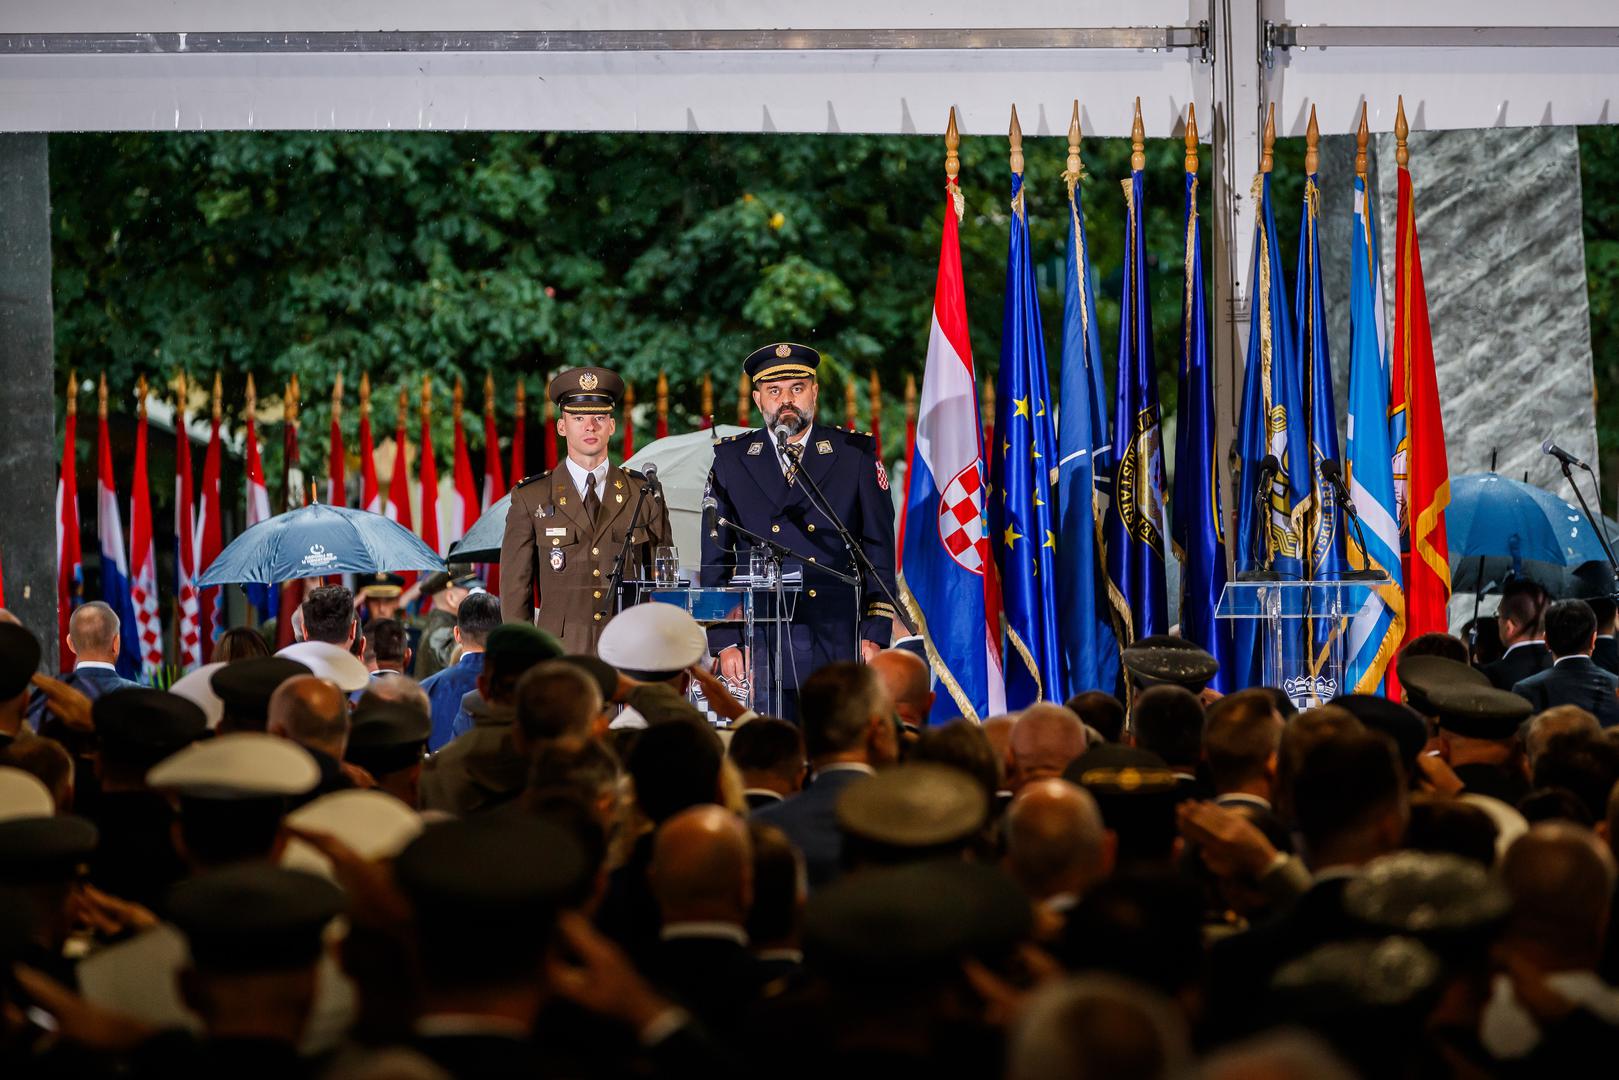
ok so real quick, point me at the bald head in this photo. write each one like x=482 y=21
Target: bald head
x=905 y=674
x=702 y=867
x=1558 y=720
x=1561 y=879
x=312 y=713
x=998 y=730
x=1055 y=841
x=1045 y=739
x=92 y=632
x=7 y=617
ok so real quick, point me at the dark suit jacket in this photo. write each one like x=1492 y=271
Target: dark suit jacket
x=758 y=800
x=1606 y=654
x=92 y=682
x=481 y=1055
x=717 y=979
x=1517 y=665
x=1507 y=785
x=135 y=857
x=1575 y=680
x=810 y=821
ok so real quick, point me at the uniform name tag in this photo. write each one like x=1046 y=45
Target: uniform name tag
x=556 y=532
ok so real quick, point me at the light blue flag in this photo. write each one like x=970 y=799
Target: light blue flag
x=1376 y=631
x=1089 y=647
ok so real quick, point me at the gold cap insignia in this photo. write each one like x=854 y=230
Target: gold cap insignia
x=587 y=381
x=784 y=351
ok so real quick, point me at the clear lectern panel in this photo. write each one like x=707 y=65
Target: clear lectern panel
x=1301 y=628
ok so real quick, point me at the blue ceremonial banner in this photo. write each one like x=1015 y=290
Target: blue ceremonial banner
x=1198 y=522
x=1020 y=510
x=1270 y=522
x=1090 y=649
x=1377 y=629
x=1323 y=536
x=1136 y=520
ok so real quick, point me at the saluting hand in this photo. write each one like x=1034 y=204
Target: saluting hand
x=66 y=704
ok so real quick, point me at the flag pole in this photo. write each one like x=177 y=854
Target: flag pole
x=1361 y=136
x=876 y=407
x=661 y=427
x=851 y=406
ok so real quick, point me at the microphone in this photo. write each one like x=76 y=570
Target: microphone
x=780 y=431
x=1553 y=450
x=711 y=510
x=650 y=471
x=1268 y=469
x=1335 y=478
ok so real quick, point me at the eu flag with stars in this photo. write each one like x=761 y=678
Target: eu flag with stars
x=1020 y=502
x=1136 y=520
x=1090 y=648
x=1198 y=523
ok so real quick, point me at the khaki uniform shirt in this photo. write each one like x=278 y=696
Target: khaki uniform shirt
x=552 y=548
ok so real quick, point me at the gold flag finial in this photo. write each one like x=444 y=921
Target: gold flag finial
x=1312 y=146
x=851 y=406
x=140 y=393
x=1016 y=136
x=101 y=394
x=661 y=405
x=489 y=391
x=522 y=395
x=404 y=404
x=1138 y=142
x=337 y=397
x=628 y=404
x=289 y=400
x=72 y=392
x=252 y=400
x=219 y=397
x=1191 y=138
x=708 y=397
x=910 y=398
x=180 y=400
x=1269 y=160
x=952 y=146
x=457 y=399
x=876 y=400
x=1361 y=136
x=1402 y=154
x=1073 y=170
x=427 y=397
x=365 y=394
x=744 y=400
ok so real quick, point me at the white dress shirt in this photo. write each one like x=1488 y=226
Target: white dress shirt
x=581 y=476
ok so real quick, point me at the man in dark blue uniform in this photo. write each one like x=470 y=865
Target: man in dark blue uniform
x=759 y=487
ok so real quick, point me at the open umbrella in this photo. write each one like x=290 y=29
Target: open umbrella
x=317 y=540
x=683 y=463
x=1499 y=527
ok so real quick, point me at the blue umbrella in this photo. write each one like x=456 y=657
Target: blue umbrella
x=482 y=541
x=317 y=540
x=1496 y=525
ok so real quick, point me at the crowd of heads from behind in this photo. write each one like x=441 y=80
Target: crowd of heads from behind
x=448 y=847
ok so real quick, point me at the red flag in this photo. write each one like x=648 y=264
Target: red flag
x=629 y=421
x=291 y=591
x=336 y=472
x=1419 y=452
x=398 y=508
x=707 y=404
x=464 y=504
x=661 y=430
x=210 y=539
x=519 y=445
x=428 y=473
x=550 y=438
x=370 y=497
x=188 y=632
x=143 y=555
x=494 y=480
x=69 y=556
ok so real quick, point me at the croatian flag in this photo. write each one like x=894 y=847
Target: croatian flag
x=114 y=564
x=185 y=550
x=370 y=497
x=946 y=553
x=464 y=500
x=262 y=597
x=143 y=559
x=209 y=539
x=69 y=560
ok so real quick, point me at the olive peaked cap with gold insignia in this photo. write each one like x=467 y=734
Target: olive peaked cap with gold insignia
x=783 y=360
x=586 y=390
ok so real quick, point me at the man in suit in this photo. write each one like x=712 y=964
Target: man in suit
x=475 y=618
x=1574 y=678
x=1519 y=620
x=849 y=732
x=1606 y=653
x=1168 y=720
x=769 y=753
x=1241 y=738
x=93 y=637
x=566 y=527
x=763 y=484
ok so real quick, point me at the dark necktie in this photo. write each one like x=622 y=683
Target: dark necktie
x=794 y=454
x=593 y=503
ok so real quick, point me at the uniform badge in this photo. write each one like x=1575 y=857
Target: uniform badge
x=587 y=381
x=618 y=483
x=784 y=351
x=824 y=446
x=882 y=476
x=556 y=532
x=620 y=498
x=755 y=449
x=559 y=559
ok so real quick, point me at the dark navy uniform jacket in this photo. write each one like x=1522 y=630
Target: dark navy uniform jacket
x=748 y=484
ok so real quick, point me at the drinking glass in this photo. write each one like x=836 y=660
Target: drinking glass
x=666 y=565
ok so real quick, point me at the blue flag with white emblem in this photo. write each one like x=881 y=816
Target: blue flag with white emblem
x=1020 y=498
x=1323 y=537
x=1198 y=524
x=1136 y=520
x=1090 y=649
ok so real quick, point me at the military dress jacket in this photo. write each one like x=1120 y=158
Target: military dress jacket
x=552 y=548
x=749 y=488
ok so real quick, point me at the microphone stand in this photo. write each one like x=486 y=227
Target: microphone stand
x=1366 y=574
x=1262 y=572
x=863 y=565
x=779 y=551
x=616 y=578
x=1607 y=548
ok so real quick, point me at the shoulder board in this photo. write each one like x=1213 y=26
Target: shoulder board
x=633 y=474
x=537 y=476
x=859 y=438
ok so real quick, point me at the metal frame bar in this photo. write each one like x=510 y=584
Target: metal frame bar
x=1281 y=35
x=602 y=41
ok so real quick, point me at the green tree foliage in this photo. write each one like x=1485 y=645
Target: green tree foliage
x=1599 y=164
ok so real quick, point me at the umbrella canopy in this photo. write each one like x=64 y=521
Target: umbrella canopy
x=683 y=463
x=1499 y=527
x=315 y=541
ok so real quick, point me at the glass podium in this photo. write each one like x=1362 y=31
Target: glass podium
x=1302 y=628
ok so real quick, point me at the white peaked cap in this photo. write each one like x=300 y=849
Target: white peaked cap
x=654 y=639
x=243 y=765
x=23 y=795
x=373 y=823
x=197 y=687
x=333 y=663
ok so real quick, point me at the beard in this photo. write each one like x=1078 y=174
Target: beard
x=789 y=418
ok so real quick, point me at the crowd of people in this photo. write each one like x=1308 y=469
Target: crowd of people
x=529 y=863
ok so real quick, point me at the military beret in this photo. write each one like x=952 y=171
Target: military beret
x=35 y=850
x=1420 y=674
x=139 y=721
x=1426 y=893
x=660 y=703
x=23 y=795
x=913 y=921
x=383 y=586
x=254 y=918
x=1399 y=722
x=604 y=674
x=19 y=659
x=919 y=805
x=1478 y=712
x=783 y=360
x=491 y=866
x=331 y=662
x=242 y=765
x=371 y=823
x=1160 y=659
x=1356 y=977
x=387 y=736
x=245 y=686
x=586 y=390
x=520 y=643
x=455 y=574
x=652 y=642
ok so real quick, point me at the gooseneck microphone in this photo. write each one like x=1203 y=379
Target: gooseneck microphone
x=1260 y=549
x=1333 y=475
x=711 y=510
